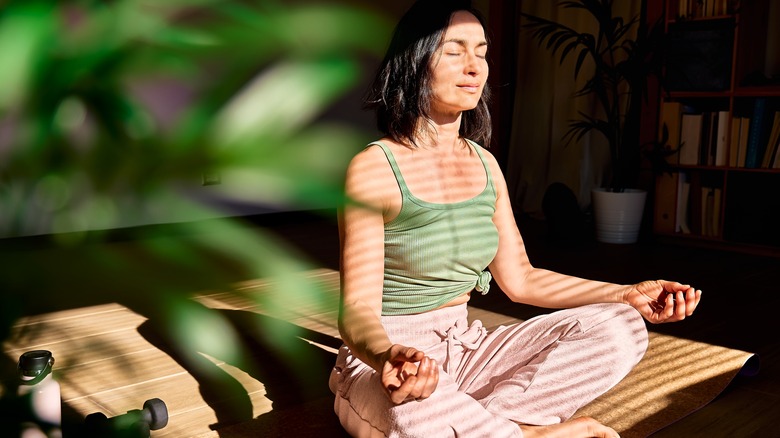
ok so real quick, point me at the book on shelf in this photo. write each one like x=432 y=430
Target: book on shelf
x=710 y=211
x=736 y=123
x=721 y=138
x=717 y=194
x=698 y=206
x=690 y=138
x=671 y=118
x=704 y=138
x=683 y=8
x=757 y=137
x=666 y=191
x=744 y=131
x=681 y=224
x=706 y=211
x=694 y=203
x=776 y=158
x=704 y=8
x=770 y=149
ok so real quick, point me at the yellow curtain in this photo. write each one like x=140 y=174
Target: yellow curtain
x=544 y=105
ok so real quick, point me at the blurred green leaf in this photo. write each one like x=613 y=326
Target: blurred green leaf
x=25 y=30
x=111 y=112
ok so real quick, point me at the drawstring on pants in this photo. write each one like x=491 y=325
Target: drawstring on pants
x=455 y=339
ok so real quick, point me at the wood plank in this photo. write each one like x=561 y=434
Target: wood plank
x=104 y=347
x=188 y=411
x=44 y=331
x=95 y=377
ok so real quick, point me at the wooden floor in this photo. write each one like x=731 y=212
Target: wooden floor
x=738 y=311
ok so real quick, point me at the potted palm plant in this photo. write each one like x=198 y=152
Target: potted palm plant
x=619 y=56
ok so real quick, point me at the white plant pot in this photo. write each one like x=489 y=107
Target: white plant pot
x=618 y=215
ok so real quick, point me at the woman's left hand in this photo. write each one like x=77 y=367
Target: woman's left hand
x=662 y=301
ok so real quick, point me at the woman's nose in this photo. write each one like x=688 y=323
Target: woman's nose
x=474 y=65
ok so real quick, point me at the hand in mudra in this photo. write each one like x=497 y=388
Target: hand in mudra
x=662 y=301
x=408 y=374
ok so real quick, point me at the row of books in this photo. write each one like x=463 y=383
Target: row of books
x=686 y=206
x=761 y=153
x=705 y=8
x=700 y=212
x=716 y=138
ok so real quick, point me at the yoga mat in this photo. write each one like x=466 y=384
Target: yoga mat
x=675 y=378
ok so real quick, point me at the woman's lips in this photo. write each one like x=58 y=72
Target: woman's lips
x=473 y=88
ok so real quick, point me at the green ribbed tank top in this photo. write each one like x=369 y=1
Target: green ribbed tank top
x=437 y=252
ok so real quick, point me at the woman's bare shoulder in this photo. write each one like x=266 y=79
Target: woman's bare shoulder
x=485 y=153
x=495 y=168
x=371 y=159
x=369 y=176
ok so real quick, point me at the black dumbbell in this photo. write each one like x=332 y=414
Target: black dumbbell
x=134 y=424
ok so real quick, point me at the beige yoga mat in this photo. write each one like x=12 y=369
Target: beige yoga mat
x=674 y=379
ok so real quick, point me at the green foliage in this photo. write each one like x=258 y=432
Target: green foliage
x=620 y=65
x=111 y=112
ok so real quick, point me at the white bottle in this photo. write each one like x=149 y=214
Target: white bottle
x=42 y=392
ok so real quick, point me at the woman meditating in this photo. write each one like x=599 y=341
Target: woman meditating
x=431 y=225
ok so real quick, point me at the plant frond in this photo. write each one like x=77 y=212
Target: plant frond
x=600 y=10
x=557 y=39
x=578 y=128
x=621 y=29
x=580 y=60
x=569 y=47
x=550 y=34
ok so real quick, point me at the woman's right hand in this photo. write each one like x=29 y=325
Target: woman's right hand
x=408 y=374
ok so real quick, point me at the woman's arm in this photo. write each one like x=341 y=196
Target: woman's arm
x=361 y=234
x=658 y=301
x=406 y=373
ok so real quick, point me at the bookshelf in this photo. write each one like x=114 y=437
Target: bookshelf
x=721 y=108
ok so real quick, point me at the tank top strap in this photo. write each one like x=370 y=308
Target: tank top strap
x=485 y=164
x=393 y=165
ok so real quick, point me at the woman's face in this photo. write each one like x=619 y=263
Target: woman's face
x=460 y=67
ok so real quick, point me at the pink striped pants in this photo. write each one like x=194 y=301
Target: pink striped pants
x=535 y=372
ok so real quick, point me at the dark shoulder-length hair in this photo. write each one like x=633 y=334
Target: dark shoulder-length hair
x=401 y=91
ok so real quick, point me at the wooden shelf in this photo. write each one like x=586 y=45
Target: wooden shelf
x=729 y=205
x=683 y=167
x=768 y=91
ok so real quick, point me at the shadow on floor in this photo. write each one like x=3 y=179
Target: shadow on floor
x=278 y=354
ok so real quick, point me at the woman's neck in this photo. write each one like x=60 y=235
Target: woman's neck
x=442 y=133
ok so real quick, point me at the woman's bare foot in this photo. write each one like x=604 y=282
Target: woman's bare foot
x=584 y=427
